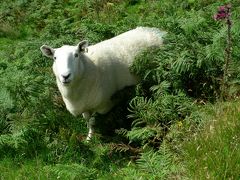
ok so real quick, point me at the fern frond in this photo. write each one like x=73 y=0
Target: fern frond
x=121 y=131
x=15 y=140
x=161 y=88
x=6 y=101
x=125 y=148
x=157 y=164
x=142 y=134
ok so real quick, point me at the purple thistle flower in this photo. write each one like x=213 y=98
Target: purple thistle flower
x=223 y=12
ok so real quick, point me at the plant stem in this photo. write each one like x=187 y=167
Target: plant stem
x=227 y=59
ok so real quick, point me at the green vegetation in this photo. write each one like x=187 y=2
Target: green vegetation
x=172 y=126
x=213 y=152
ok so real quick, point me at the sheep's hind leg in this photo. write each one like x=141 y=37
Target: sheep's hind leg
x=91 y=122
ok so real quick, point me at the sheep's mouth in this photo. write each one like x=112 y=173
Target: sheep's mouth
x=66 y=82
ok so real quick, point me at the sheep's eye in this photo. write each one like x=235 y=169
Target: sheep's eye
x=54 y=58
x=75 y=55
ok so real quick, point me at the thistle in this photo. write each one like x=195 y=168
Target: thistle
x=225 y=14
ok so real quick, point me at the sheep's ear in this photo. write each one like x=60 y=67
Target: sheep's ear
x=47 y=51
x=82 y=46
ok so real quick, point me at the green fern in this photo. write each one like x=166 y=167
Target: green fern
x=151 y=162
x=152 y=165
x=6 y=101
x=143 y=134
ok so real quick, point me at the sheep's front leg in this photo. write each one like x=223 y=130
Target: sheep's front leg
x=91 y=122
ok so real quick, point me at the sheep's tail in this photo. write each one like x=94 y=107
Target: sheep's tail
x=153 y=30
x=154 y=35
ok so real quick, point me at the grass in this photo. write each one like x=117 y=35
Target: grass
x=37 y=169
x=31 y=169
x=213 y=152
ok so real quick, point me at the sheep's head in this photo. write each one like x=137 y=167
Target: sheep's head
x=67 y=65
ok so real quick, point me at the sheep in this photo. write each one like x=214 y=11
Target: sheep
x=87 y=76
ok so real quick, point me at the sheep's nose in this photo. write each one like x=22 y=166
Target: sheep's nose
x=66 y=76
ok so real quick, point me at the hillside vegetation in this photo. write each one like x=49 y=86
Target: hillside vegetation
x=180 y=122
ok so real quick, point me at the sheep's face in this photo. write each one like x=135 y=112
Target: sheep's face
x=67 y=65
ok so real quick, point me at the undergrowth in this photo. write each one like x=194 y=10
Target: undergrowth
x=144 y=136
x=213 y=153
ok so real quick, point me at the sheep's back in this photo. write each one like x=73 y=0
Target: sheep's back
x=114 y=56
x=124 y=47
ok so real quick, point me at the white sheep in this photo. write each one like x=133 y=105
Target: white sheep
x=87 y=76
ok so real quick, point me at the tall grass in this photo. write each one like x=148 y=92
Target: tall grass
x=213 y=153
